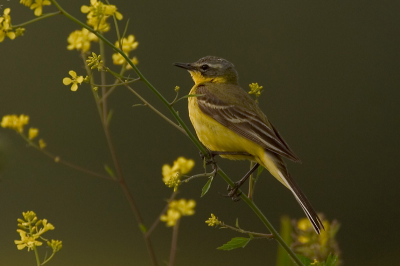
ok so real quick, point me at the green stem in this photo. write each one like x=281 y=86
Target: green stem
x=36 y=19
x=34 y=246
x=251 y=204
x=251 y=183
x=174 y=243
x=246 y=232
x=51 y=256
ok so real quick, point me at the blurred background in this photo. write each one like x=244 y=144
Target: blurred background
x=330 y=71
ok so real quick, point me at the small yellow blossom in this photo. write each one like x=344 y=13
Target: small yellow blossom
x=26 y=2
x=256 y=90
x=213 y=221
x=27 y=241
x=75 y=80
x=180 y=167
x=15 y=122
x=29 y=215
x=42 y=144
x=97 y=14
x=6 y=28
x=95 y=61
x=128 y=44
x=176 y=209
x=33 y=132
x=80 y=40
x=177 y=88
x=316 y=247
x=56 y=245
x=171 y=217
x=46 y=227
x=185 y=207
x=38 y=6
x=118 y=59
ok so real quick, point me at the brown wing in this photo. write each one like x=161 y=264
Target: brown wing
x=244 y=122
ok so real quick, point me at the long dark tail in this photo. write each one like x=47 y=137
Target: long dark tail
x=277 y=167
x=305 y=204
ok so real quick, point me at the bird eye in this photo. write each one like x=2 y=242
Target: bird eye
x=204 y=67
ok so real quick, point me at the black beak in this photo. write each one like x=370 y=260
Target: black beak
x=186 y=66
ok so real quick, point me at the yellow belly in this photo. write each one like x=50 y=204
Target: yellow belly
x=217 y=137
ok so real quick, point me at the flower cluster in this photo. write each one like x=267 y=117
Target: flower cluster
x=311 y=245
x=95 y=61
x=256 y=90
x=97 y=14
x=75 y=80
x=17 y=123
x=6 y=28
x=80 y=40
x=38 y=5
x=177 y=209
x=213 y=221
x=128 y=44
x=172 y=174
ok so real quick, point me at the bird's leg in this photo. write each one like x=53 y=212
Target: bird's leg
x=214 y=153
x=233 y=191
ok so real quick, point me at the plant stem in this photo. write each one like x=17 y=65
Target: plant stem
x=36 y=19
x=34 y=246
x=247 y=232
x=250 y=203
x=174 y=243
x=251 y=183
x=157 y=221
x=57 y=159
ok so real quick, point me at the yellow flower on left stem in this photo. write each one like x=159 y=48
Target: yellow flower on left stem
x=38 y=6
x=6 y=28
x=15 y=122
x=178 y=208
x=75 y=80
x=32 y=133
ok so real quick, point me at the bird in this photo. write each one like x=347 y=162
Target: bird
x=231 y=124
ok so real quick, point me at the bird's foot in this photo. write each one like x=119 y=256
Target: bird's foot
x=233 y=192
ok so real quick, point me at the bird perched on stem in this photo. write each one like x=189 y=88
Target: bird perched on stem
x=230 y=124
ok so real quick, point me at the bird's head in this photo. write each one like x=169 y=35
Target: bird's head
x=211 y=69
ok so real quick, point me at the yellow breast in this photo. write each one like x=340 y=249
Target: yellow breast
x=217 y=137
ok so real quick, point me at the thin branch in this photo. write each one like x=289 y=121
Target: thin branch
x=57 y=159
x=36 y=19
x=157 y=221
x=223 y=225
x=174 y=243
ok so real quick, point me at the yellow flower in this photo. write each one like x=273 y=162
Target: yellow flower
x=128 y=44
x=180 y=167
x=95 y=61
x=98 y=13
x=304 y=224
x=176 y=209
x=29 y=215
x=256 y=90
x=15 y=122
x=185 y=207
x=213 y=221
x=171 y=217
x=38 y=6
x=27 y=241
x=42 y=144
x=26 y=2
x=80 y=40
x=5 y=26
x=75 y=80
x=46 y=227
x=33 y=132
x=56 y=245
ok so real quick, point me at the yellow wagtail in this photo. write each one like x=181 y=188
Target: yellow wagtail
x=230 y=124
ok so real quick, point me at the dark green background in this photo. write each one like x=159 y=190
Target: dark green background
x=330 y=70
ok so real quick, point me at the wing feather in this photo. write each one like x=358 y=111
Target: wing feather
x=244 y=122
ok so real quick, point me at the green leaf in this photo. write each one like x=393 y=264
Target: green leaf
x=259 y=171
x=306 y=261
x=206 y=186
x=237 y=242
x=109 y=116
x=143 y=228
x=109 y=171
x=332 y=260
